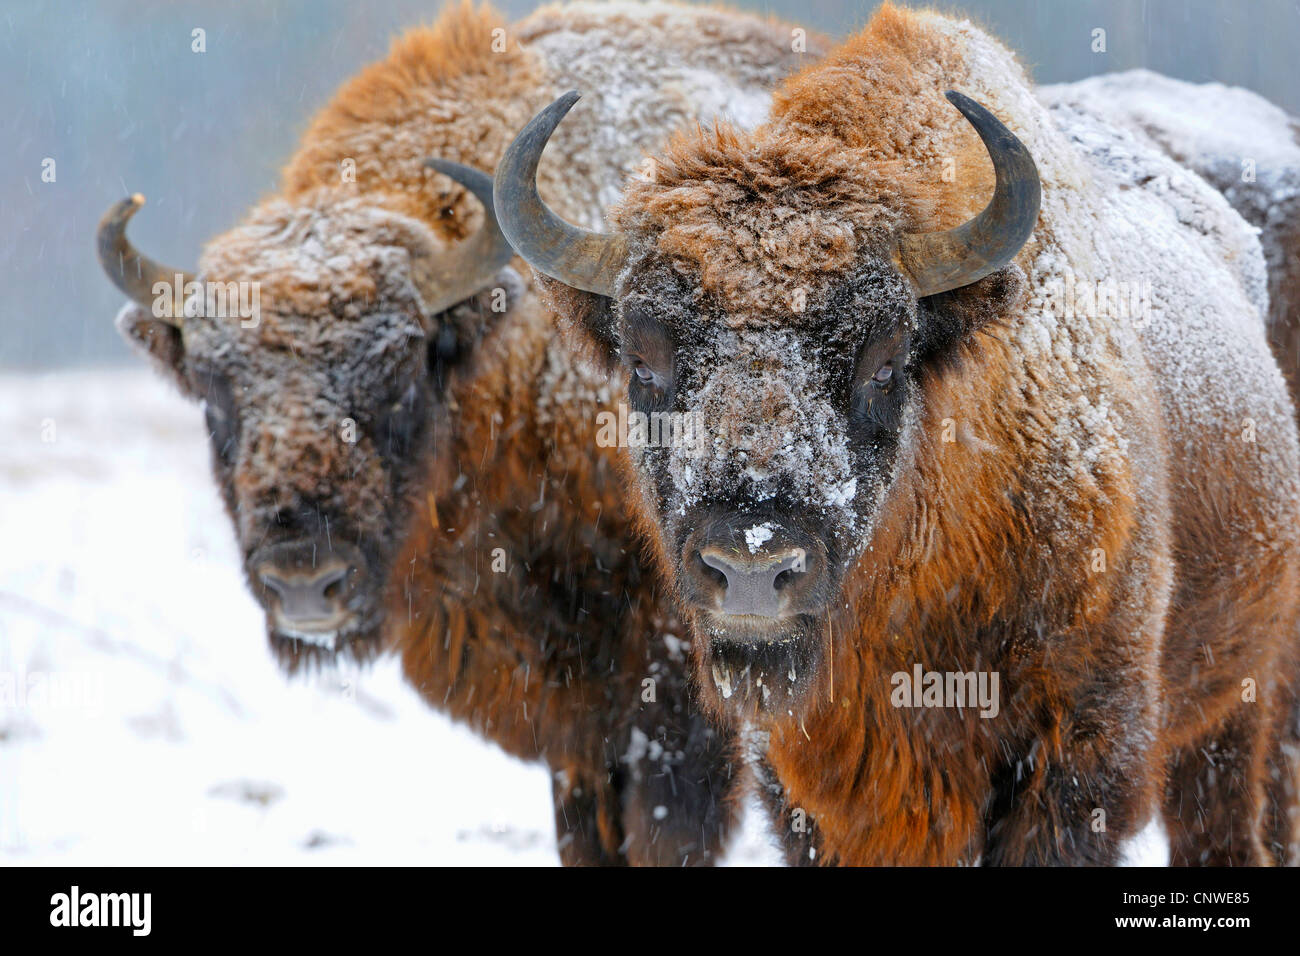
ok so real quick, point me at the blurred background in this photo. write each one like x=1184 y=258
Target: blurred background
x=177 y=741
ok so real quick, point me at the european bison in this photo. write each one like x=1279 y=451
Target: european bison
x=993 y=536
x=400 y=445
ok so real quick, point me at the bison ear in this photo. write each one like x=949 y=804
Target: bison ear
x=158 y=340
x=586 y=318
x=949 y=320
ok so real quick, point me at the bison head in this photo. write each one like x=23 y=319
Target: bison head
x=321 y=338
x=765 y=298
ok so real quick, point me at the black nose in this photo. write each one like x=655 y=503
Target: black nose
x=308 y=597
x=762 y=584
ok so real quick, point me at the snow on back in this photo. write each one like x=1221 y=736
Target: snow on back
x=1207 y=126
x=1236 y=140
x=645 y=70
x=1115 y=209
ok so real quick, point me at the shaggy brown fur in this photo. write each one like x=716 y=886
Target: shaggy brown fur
x=1009 y=450
x=552 y=657
x=471 y=497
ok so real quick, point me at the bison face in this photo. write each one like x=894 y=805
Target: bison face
x=778 y=442
x=328 y=403
x=322 y=452
x=773 y=451
x=324 y=436
x=773 y=306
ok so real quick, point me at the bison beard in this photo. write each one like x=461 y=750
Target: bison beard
x=1066 y=500
x=386 y=415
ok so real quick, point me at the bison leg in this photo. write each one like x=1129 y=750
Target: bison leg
x=681 y=793
x=586 y=818
x=1075 y=804
x=1282 y=786
x=1281 y=827
x=796 y=832
x=1214 y=795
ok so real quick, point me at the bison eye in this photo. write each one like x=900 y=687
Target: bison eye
x=644 y=373
x=220 y=414
x=647 y=351
x=400 y=424
x=883 y=374
x=650 y=389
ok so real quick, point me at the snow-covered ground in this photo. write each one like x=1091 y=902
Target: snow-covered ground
x=142 y=720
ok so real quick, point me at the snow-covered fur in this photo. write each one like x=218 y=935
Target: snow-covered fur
x=1079 y=475
x=1236 y=140
x=447 y=457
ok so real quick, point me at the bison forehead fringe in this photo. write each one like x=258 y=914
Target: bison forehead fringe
x=767 y=225
x=324 y=259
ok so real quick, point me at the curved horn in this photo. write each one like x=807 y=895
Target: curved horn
x=939 y=261
x=129 y=270
x=446 y=280
x=590 y=261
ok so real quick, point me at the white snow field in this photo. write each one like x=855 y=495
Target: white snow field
x=142 y=719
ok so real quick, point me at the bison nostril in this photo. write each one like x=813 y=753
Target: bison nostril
x=332 y=584
x=307 y=594
x=751 y=586
x=709 y=572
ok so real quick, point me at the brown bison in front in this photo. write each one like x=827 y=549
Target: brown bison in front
x=994 y=533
